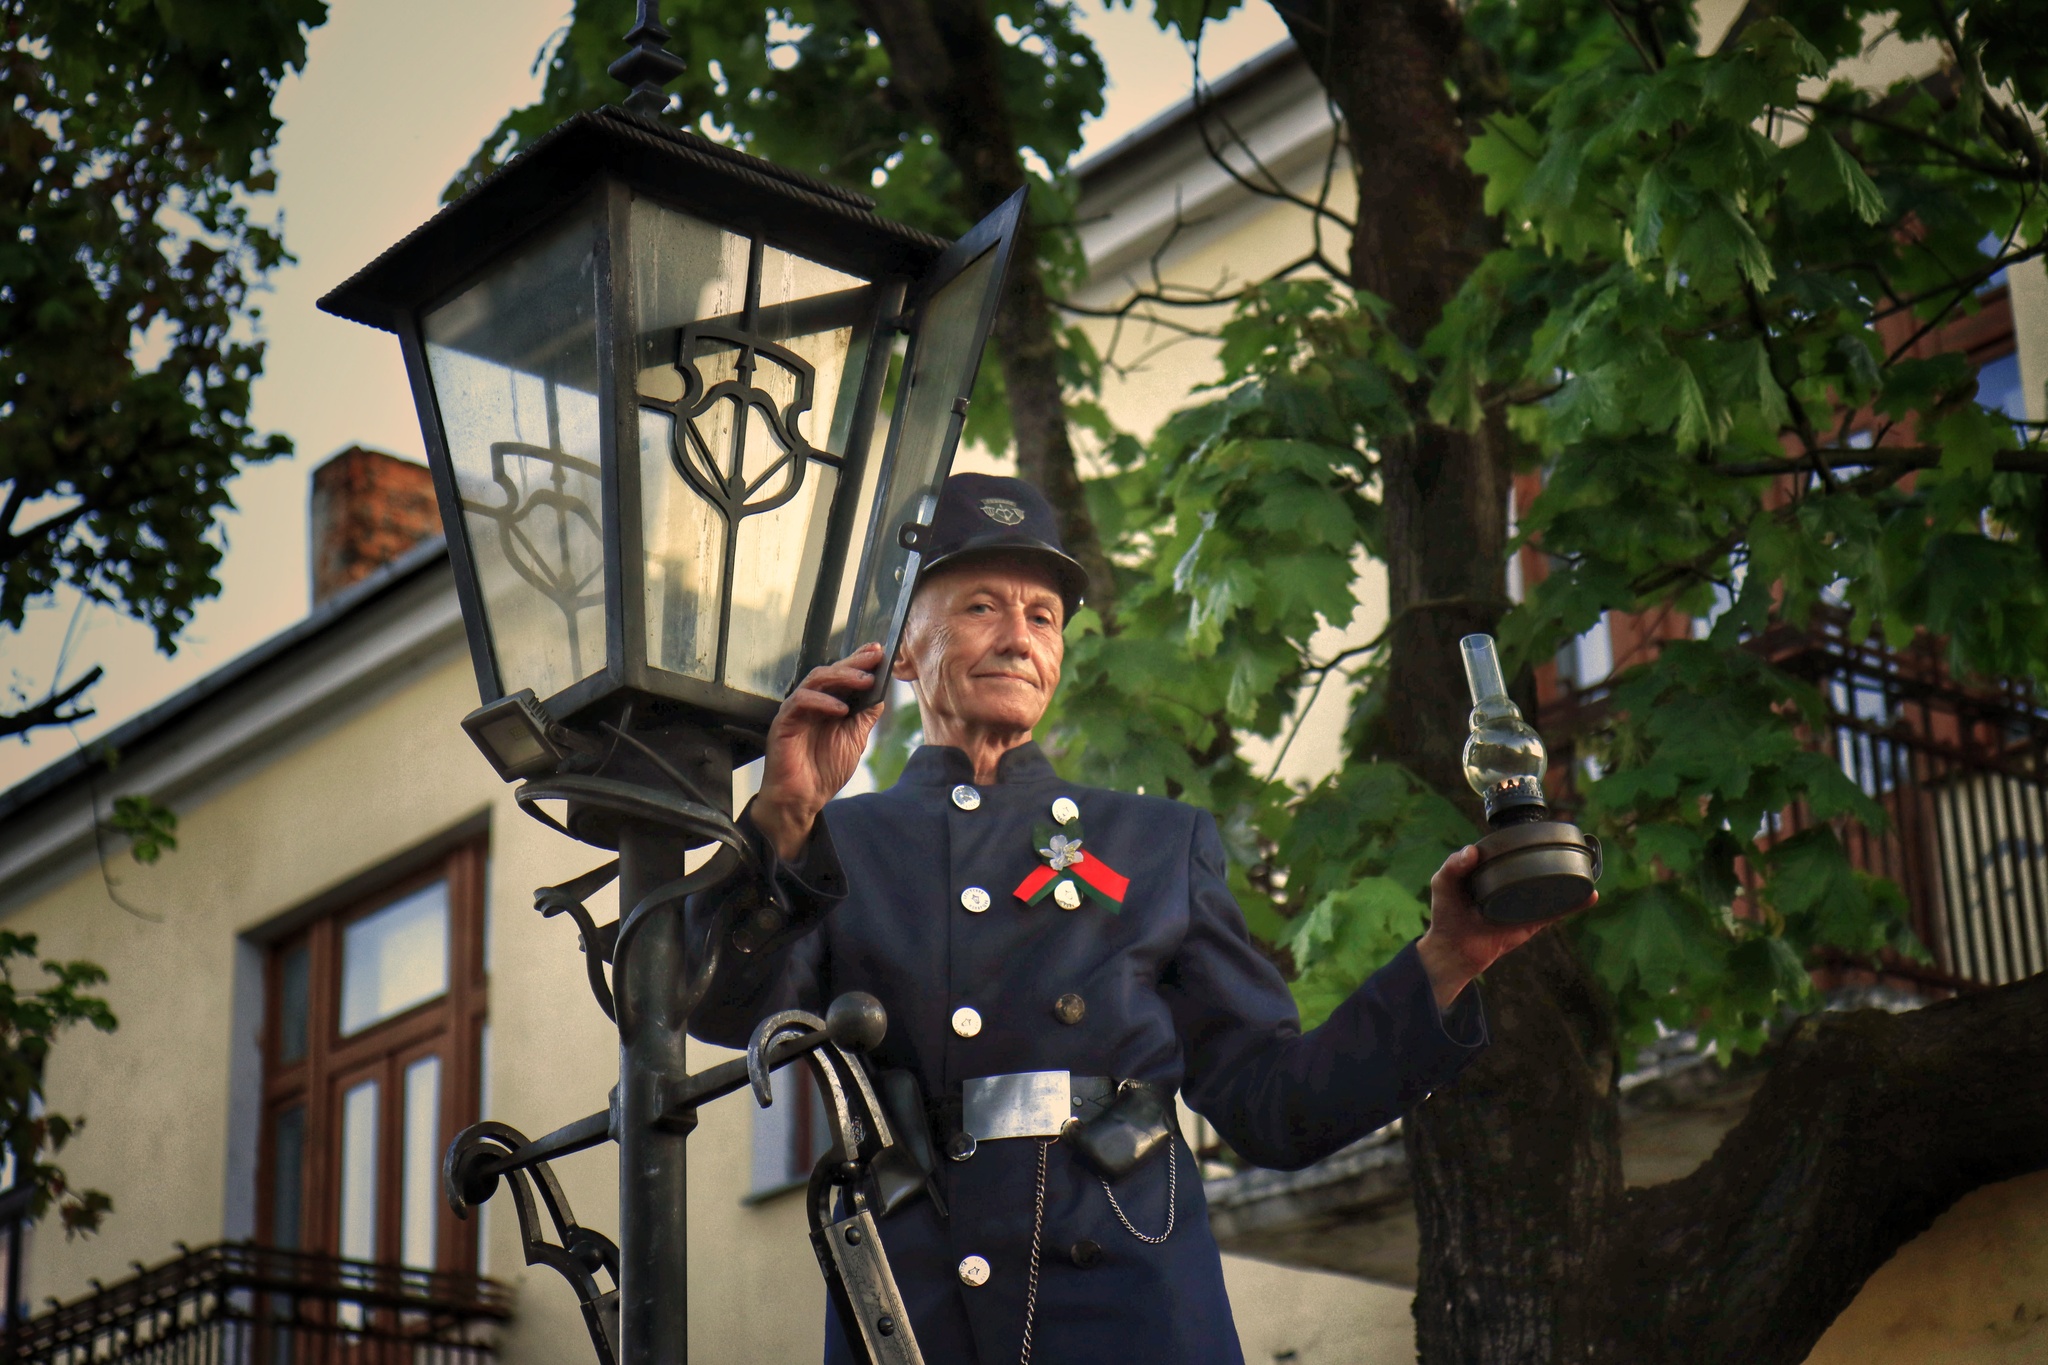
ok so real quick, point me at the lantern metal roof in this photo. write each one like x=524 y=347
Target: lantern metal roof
x=672 y=163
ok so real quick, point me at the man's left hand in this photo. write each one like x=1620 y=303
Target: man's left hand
x=1461 y=943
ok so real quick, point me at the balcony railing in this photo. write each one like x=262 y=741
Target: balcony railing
x=241 y=1304
x=1961 y=771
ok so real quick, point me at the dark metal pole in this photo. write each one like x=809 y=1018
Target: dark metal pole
x=650 y=972
x=653 y=1172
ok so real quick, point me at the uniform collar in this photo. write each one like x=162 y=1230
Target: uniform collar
x=941 y=765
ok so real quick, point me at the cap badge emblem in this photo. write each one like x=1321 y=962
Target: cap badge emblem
x=1002 y=511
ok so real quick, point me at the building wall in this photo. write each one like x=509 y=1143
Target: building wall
x=337 y=805
x=1971 y=1290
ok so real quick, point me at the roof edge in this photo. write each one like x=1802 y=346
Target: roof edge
x=350 y=601
x=1240 y=79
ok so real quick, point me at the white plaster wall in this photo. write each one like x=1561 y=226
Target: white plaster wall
x=157 y=1093
x=2029 y=286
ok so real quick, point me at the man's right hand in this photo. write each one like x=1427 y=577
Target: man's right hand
x=814 y=744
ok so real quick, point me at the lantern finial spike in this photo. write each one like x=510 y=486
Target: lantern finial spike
x=648 y=64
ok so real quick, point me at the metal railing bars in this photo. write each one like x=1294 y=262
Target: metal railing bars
x=242 y=1304
x=1960 y=768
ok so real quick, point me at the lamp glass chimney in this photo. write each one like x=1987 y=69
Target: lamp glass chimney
x=1504 y=757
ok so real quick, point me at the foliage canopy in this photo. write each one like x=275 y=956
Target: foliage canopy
x=1700 y=319
x=1703 y=321
x=134 y=135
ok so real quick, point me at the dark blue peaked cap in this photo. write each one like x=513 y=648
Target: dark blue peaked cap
x=984 y=515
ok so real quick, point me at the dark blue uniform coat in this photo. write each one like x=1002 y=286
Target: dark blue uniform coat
x=1175 y=995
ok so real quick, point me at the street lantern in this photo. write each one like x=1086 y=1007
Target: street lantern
x=649 y=371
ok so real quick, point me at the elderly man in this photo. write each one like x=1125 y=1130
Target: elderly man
x=1030 y=935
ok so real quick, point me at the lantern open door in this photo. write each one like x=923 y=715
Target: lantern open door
x=953 y=312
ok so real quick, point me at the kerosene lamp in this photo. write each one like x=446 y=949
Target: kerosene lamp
x=1531 y=867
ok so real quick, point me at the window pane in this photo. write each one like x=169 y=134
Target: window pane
x=394 y=959
x=2000 y=388
x=422 y=1161
x=359 y=1172
x=288 y=1181
x=294 y=977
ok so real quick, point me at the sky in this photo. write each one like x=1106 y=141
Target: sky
x=376 y=124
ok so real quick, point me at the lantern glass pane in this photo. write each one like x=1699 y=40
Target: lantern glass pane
x=746 y=398
x=684 y=269
x=941 y=368
x=514 y=365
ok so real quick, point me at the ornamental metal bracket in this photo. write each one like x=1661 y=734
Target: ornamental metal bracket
x=598 y=940
x=844 y=1235
x=470 y=1173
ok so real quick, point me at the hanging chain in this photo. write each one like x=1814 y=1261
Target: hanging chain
x=1172 y=1204
x=1037 y=1230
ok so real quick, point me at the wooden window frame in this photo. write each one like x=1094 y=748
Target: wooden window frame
x=450 y=1025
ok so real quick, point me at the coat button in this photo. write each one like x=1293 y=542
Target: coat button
x=1066 y=896
x=975 y=899
x=973 y=1271
x=1070 y=1008
x=967 y=1021
x=966 y=797
x=1065 y=811
x=1085 y=1253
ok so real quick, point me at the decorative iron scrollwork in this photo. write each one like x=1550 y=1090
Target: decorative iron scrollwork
x=470 y=1173
x=721 y=475
x=568 y=899
x=844 y=1234
x=563 y=572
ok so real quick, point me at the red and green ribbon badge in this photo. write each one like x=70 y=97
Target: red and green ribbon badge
x=1067 y=864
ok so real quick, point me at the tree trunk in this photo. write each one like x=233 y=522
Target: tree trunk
x=1531 y=1251
x=1867 y=1127
x=1421 y=230
x=943 y=58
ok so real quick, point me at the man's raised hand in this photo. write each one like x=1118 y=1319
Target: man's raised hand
x=1461 y=943
x=814 y=744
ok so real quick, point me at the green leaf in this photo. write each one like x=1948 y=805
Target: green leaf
x=1347 y=936
x=151 y=829
x=1653 y=940
x=1505 y=154
x=1820 y=172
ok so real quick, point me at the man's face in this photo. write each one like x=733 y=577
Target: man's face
x=982 y=646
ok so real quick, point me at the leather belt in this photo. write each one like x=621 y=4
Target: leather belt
x=1030 y=1103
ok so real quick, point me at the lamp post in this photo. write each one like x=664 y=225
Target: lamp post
x=649 y=371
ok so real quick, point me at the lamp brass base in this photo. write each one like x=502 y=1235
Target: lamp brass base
x=1534 y=871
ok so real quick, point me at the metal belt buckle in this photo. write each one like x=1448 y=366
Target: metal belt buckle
x=1026 y=1104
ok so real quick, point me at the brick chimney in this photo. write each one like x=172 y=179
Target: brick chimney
x=368 y=509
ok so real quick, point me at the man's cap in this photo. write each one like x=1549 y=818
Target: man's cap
x=982 y=515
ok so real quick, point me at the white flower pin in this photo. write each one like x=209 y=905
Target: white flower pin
x=1064 y=852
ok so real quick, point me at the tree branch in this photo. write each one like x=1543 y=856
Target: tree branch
x=1272 y=189
x=944 y=59
x=1868 y=1126
x=1893 y=459
x=50 y=710
x=1956 y=154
